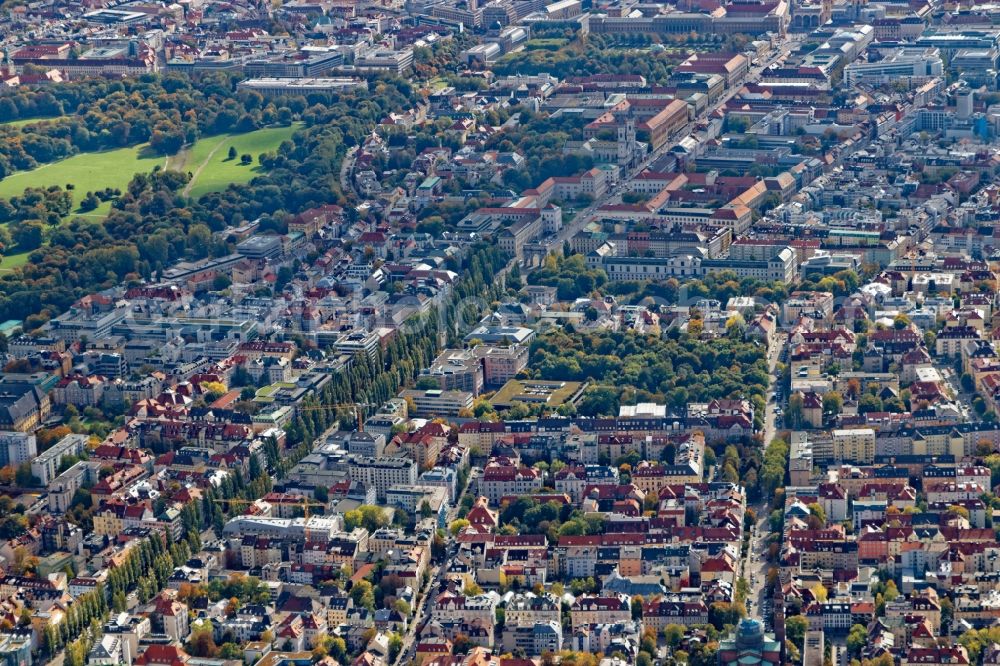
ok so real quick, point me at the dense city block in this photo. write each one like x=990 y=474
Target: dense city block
x=499 y=333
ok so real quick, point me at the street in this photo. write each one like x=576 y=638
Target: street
x=407 y=655
x=962 y=398
x=772 y=402
x=754 y=566
x=421 y=614
x=346 y=172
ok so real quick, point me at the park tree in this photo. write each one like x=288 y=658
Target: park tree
x=721 y=614
x=457 y=526
x=363 y=594
x=795 y=629
x=833 y=403
x=794 y=413
x=857 y=638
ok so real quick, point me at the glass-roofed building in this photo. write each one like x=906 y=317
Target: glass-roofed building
x=749 y=646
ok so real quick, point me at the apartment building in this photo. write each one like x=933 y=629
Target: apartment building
x=854 y=445
x=502 y=478
x=435 y=402
x=456 y=370
x=527 y=609
x=16 y=447
x=661 y=612
x=46 y=466
x=382 y=473
x=501 y=364
x=600 y=609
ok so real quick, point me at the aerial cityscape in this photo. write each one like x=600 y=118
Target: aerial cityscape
x=499 y=333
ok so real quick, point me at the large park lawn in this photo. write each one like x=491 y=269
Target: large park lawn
x=28 y=121
x=207 y=160
x=87 y=172
x=11 y=261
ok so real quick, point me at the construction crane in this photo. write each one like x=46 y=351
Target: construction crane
x=356 y=406
x=305 y=503
x=235 y=500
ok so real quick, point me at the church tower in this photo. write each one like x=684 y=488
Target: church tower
x=625 y=120
x=779 y=619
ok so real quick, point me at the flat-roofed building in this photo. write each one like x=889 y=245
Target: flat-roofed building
x=501 y=364
x=382 y=473
x=46 y=465
x=854 y=445
x=308 y=62
x=456 y=370
x=435 y=402
x=16 y=447
x=274 y=87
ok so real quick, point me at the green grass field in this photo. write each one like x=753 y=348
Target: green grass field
x=10 y=262
x=207 y=160
x=209 y=163
x=87 y=172
x=437 y=83
x=549 y=44
x=28 y=121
